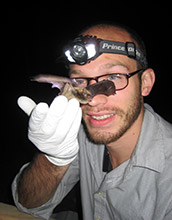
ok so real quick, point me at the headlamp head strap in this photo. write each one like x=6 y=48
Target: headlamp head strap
x=86 y=48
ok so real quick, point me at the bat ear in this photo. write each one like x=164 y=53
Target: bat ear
x=58 y=85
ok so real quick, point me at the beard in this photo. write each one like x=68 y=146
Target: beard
x=127 y=118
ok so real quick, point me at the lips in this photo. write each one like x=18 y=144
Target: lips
x=101 y=117
x=99 y=120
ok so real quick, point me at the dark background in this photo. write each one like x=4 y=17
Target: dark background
x=34 y=39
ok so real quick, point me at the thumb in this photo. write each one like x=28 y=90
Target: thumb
x=26 y=104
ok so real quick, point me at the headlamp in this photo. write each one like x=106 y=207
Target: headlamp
x=87 y=48
x=82 y=50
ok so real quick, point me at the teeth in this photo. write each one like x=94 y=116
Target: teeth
x=102 y=116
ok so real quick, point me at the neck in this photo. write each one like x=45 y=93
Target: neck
x=122 y=149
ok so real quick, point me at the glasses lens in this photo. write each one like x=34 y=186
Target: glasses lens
x=119 y=80
x=80 y=82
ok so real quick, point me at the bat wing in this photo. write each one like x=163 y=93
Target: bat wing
x=56 y=81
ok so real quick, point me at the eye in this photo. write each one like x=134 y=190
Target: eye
x=80 y=82
x=113 y=77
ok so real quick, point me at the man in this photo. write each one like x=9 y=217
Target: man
x=125 y=149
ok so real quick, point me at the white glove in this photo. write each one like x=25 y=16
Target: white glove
x=53 y=130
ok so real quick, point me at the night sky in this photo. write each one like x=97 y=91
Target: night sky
x=34 y=40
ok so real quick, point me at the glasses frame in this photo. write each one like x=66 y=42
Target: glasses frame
x=127 y=75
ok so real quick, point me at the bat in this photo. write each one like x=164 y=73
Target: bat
x=69 y=89
x=66 y=87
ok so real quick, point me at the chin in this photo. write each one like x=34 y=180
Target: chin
x=113 y=130
x=104 y=135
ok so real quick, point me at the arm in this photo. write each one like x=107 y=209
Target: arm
x=39 y=181
x=53 y=130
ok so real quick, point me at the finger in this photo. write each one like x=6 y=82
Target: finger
x=58 y=106
x=73 y=132
x=69 y=117
x=37 y=117
x=56 y=110
x=75 y=126
x=69 y=135
x=26 y=104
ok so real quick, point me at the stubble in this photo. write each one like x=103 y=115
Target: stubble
x=127 y=118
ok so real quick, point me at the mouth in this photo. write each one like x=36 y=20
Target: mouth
x=101 y=117
x=99 y=120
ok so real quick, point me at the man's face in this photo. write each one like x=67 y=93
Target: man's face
x=107 y=118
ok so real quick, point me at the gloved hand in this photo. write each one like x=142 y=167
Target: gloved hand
x=53 y=130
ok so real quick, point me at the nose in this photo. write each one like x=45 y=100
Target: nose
x=99 y=99
x=92 y=81
x=100 y=92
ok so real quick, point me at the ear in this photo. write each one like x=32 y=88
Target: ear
x=148 y=79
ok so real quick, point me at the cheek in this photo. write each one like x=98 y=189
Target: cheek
x=125 y=98
x=122 y=98
x=133 y=88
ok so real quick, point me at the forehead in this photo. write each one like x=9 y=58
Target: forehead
x=104 y=64
x=106 y=61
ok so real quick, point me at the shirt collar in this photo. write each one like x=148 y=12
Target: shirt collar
x=149 y=152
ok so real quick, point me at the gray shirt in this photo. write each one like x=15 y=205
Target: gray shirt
x=140 y=188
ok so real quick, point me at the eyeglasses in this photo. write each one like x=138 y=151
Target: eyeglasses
x=120 y=80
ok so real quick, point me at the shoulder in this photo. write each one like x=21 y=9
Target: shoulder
x=162 y=143
x=164 y=126
x=159 y=133
x=164 y=133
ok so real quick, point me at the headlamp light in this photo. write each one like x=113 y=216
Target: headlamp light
x=87 y=48
x=79 y=53
x=82 y=50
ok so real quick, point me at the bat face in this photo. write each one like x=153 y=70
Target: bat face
x=83 y=95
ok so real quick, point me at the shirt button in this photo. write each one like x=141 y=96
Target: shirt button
x=100 y=193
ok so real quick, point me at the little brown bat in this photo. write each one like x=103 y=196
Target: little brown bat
x=69 y=89
x=66 y=87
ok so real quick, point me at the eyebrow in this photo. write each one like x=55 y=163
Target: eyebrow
x=110 y=65
x=75 y=72
x=105 y=66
